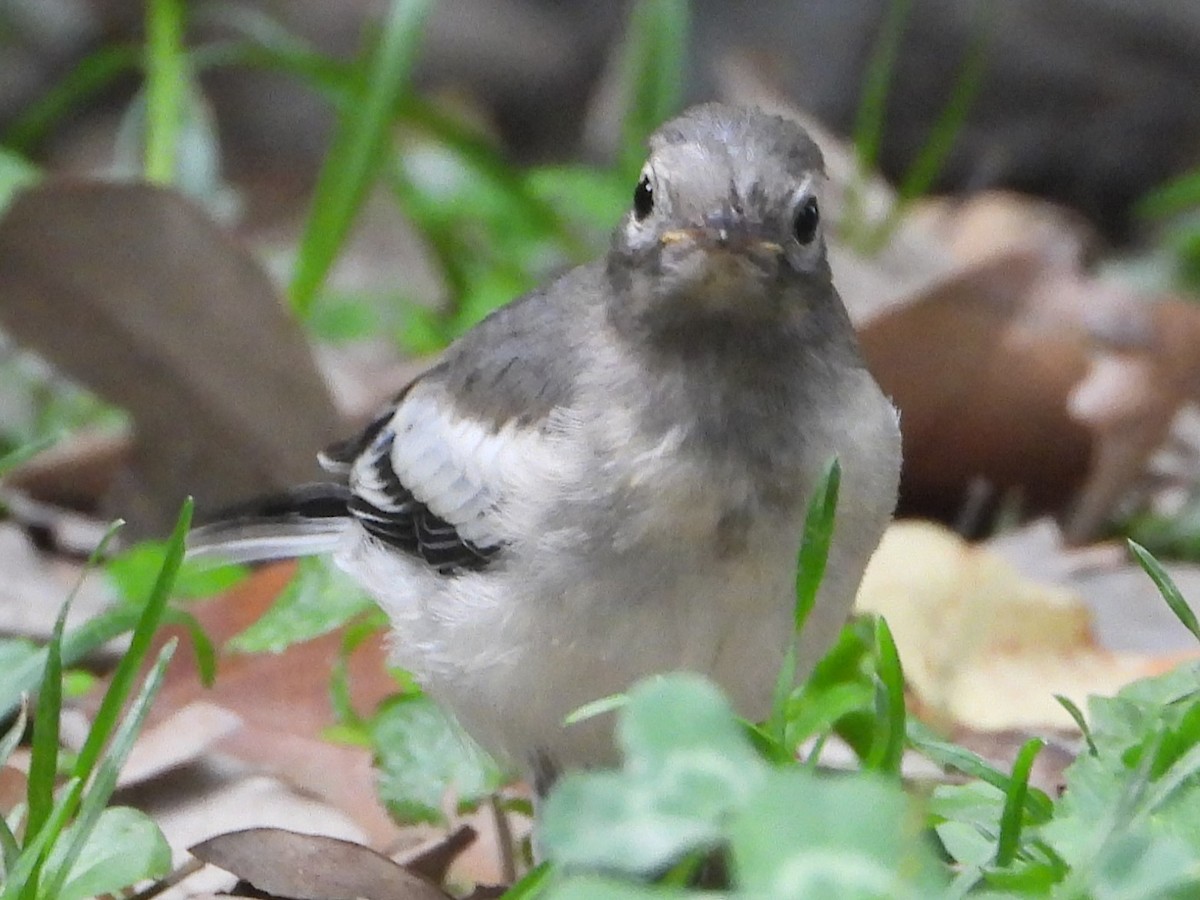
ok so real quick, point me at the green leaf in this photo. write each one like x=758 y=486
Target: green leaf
x=15 y=175
x=595 y=199
x=339 y=319
x=967 y=820
x=43 y=764
x=148 y=620
x=1012 y=820
x=887 y=749
x=90 y=75
x=872 y=105
x=363 y=132
x=1166 y=587
x=123 y=848
x=1142 y=787
x=133 y=573
x=15 y=653
x=263 y=42
x=531 y=885
x=203 y=650
x=356 y=632
x=422 y=331
x=20 y=878
x=1080 y=722
x=1178 y=195
x=805 y=836
x=77 y=643
x=599 y=707
x=12 y=737
x=651 y=70
x=850 y=662
x=688 y=764
x=95 y=800
x=421 y=754
x=950 y=756
x=810 y=571
x=814 y=546
x=318 y=600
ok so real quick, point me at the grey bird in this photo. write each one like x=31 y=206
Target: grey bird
x=608 y=477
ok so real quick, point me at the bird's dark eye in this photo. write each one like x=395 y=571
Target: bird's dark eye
x=643 y=199
x=807 y=219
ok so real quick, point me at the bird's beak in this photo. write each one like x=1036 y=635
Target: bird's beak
x=721 y=238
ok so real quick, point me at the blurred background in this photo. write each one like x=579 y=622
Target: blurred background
x=231 y=230
x=397 y=172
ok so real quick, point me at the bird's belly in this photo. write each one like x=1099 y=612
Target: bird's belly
x=727 y=619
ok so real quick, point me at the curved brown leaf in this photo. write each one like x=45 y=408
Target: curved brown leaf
x=312 y=867
x=133 y=291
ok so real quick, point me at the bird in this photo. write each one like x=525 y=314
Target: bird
x=607 y=478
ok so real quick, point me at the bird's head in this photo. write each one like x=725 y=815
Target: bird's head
x=725 y=221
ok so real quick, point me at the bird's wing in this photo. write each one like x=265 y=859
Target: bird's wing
x=434 y=476
x=425 y=481
x=436 y=473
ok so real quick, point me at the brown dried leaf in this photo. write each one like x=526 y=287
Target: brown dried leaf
x=433 y=858
x=133 y=291
x=982 y=646
x=982 y=392
x=183 y=737
x=13 y=788
x=310 y=867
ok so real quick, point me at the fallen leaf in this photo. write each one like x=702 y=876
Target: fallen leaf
x=982 y=391
x=311 y=867
x=14 y=787
x=133 y=291
x=433 y=858
x=183 y=737
x=995 y=222
x=983 y=647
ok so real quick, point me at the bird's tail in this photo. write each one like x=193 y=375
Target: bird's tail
x=303 y=521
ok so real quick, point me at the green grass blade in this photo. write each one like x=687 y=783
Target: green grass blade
x=78 y=643
x=1166 y=587
x=814 y=547
x=12 y=737
x=151 y=615
x=25 y=452
x=1080 y=722
x=887 y=748
x=16 y=174
x=1013 y=817
x=924 y=169
x=484 y=159
x=202 y=646
x=264 y=43
x=785 y=683
x=811 y=560
x=532 y=885
x=90 y=76
x=364 y=126
x=1176 y=196
x=43 y=764
x=651 y=72
x=951 y=756
x=599 y=707
x=166 y=87
x=869 y=122
x=20 y=876
x=96 y=799
x=10 y=850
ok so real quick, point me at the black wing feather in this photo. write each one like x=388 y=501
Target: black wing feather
x=404 y=522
